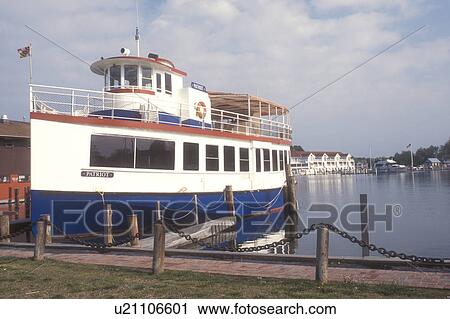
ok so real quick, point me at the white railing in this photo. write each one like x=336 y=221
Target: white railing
x=87 y=103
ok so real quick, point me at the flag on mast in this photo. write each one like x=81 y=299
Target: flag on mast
x=24 y=52
x=408 y=146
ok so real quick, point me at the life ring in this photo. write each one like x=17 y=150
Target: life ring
x=200 y=109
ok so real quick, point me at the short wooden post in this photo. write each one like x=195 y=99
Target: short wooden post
x=27 y=196
x=107 y=220
x=4 y=227
x=134 y=230
x=196 y=209
x=158 y=244
x=364 y=223
x=16 y=200
x=48 y=228
x=10 y=198
x=291 y=199
x=229 y=199
x=322 y=255
x=39 y=246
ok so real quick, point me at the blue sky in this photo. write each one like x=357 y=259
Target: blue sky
x=282 y=50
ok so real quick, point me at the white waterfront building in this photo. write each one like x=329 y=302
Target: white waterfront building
x=315 y=163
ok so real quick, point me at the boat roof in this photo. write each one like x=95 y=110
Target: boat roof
x=98 y=67
x=239 y=103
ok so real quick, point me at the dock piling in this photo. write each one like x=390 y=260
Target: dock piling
x=48 y=228
x=229 y=199
x=364 y=223
x=158 y=244
x=4 y=227
x=323 y=238
x=39 y=246
x=10 y=198
x=16 y=200
x=134 y=230
x=108 y=237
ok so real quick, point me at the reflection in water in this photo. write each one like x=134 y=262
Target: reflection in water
x=422 y=228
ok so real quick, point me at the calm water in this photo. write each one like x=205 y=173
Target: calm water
x=423 y=228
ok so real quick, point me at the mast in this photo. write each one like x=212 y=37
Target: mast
x=136 y=36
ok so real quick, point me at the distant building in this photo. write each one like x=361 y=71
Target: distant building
x=14 y=148
x=432 y=163
x=313 y=163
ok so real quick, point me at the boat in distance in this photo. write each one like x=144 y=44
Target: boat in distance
x=146 y=138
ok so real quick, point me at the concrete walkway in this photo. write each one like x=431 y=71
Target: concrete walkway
x=419 y=278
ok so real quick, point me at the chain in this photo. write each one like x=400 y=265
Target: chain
x=381 y=250
x=224 y=246
x=98 y=246
x=307 y=231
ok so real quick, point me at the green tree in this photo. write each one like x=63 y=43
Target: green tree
x=444 y=151
x=422 y=154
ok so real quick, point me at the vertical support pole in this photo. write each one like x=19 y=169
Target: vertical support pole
x=16 y=200
x=107 y=220
x=229 y=199
x=27 y=211
x=4 y=227
x=291 y=199
x=48 y=228
x=39 y=246
x=134 y=230
x=196 y=208
x=323 y=237
x=10 y=198
x=158 y=245
x=364 y=223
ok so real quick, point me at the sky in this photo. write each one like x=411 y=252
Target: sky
x=282 y=50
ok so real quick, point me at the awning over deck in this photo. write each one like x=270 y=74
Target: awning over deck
x=246 y=104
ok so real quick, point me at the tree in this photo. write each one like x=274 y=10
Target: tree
x=444 y=151
x=403 y=158
x=423 y=153
x=297 y=148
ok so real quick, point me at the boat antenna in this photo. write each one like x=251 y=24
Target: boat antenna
x=136 y=36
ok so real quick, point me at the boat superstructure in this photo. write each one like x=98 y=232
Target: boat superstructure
x=147 y=137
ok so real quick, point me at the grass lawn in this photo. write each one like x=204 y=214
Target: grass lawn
x=24 y=278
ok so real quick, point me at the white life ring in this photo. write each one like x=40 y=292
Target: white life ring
x=200 y=109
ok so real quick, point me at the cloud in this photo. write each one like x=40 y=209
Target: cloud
x=282 y=50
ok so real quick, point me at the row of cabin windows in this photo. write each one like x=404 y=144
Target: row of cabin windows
x=130 y=152
x=113 y=78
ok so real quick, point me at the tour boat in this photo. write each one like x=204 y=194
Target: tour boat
x=146 y=138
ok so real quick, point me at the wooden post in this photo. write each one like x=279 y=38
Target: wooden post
x=196 y=209
x=10 y=198
x=27 y=202
x=134 y=230
x=322 y=255
x=229 y=199
x=290 y=190
x=4 y=227
x=48 y=229
x=39 y=246
x=16 y=200
x=364 y=223
x=158 y=245
x=107 y=221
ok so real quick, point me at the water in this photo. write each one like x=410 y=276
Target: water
x=423 y=228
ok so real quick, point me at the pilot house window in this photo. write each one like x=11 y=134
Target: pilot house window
x=114 y=76
x=146 y=77
x=158 y=82
x=130 y=75
x=168 y=83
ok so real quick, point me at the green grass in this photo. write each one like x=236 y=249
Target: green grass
x=24 y=278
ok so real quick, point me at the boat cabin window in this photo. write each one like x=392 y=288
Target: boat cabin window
x=258 y=160
x=212 y=157
x=155 y=154
x=112 y=151
x=274 y=160
x=190 y=156
x=228 y=159
x=266 y=158
x=130 y=75
x=168 y=83
x=244 y=160
x=114 y=76
x=146 y=77
x=158 y=82
x=281 y=156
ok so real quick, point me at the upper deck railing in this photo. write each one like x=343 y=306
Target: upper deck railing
x=87 y=103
